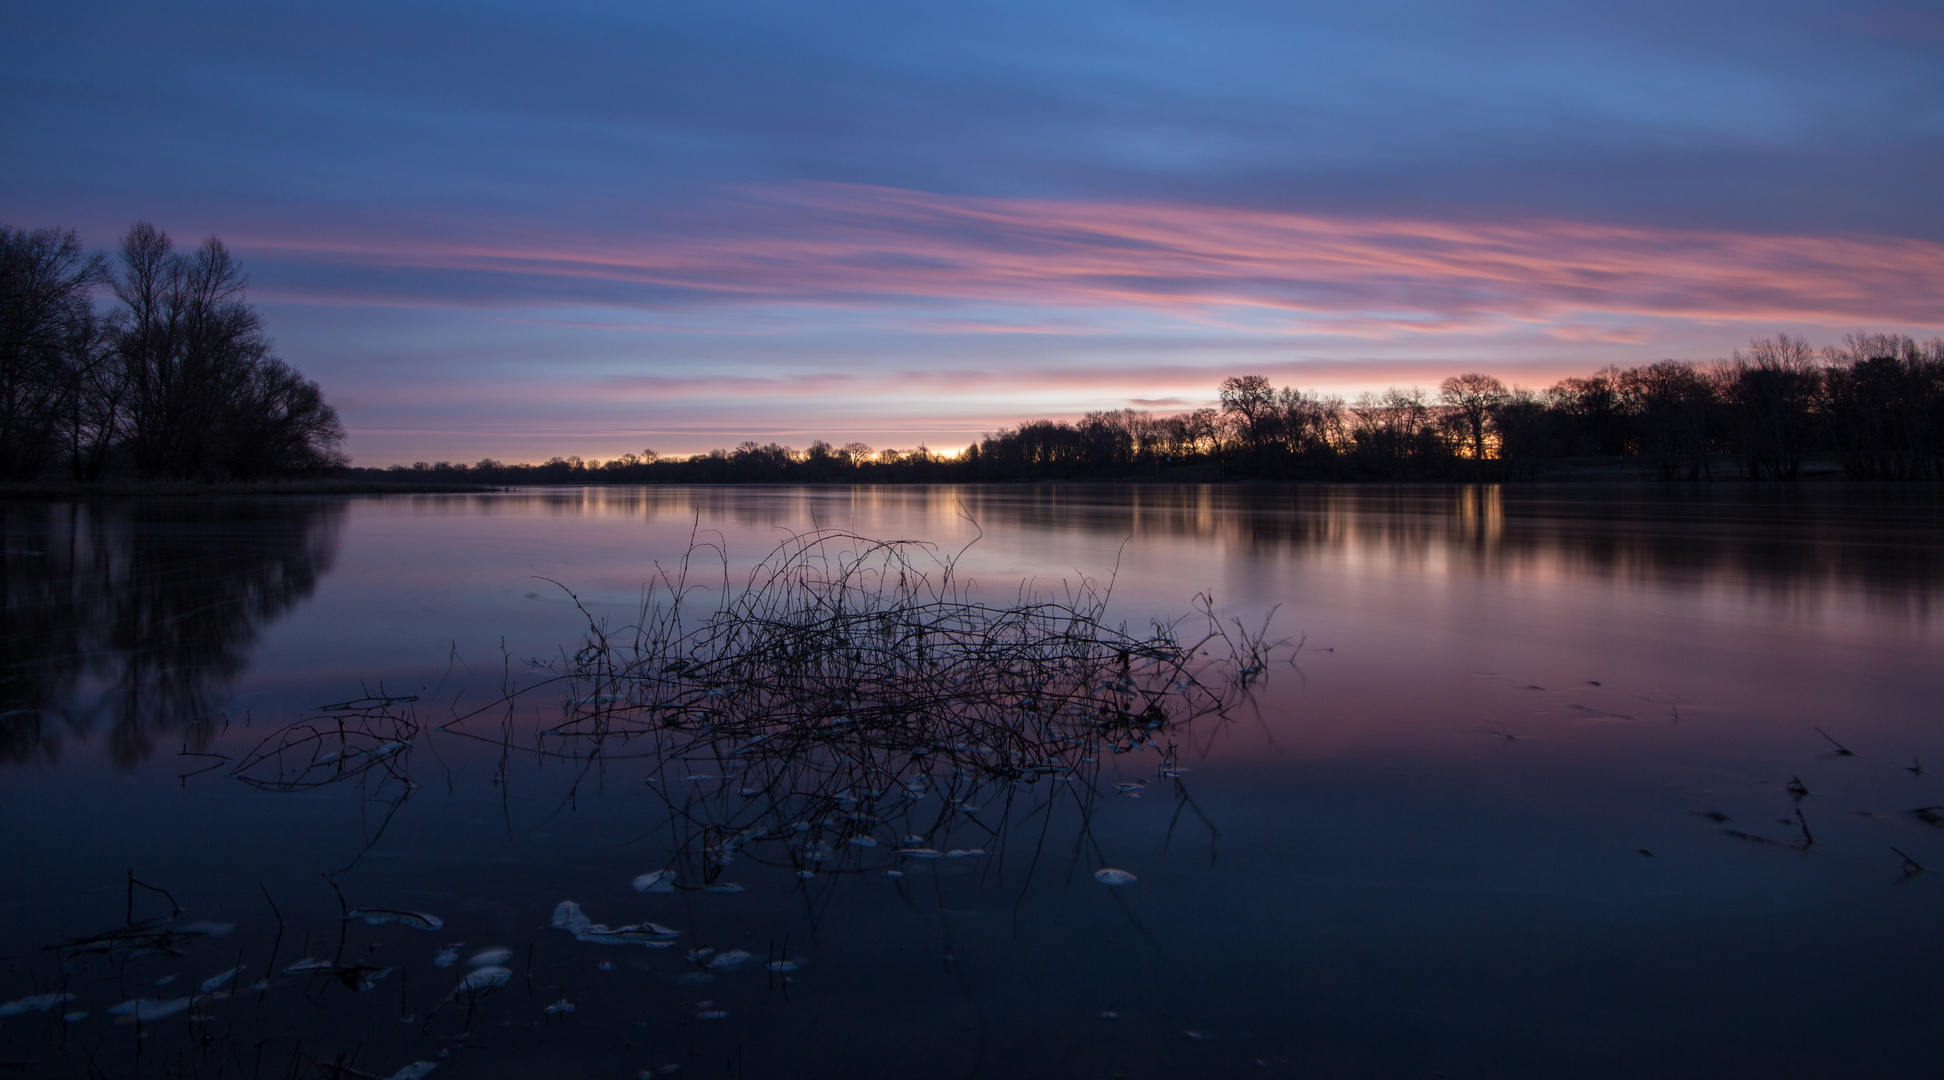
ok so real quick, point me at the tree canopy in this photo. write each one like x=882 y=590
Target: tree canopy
x=174 y=379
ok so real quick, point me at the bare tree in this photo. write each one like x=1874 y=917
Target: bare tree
x=1670 y=403
x=1883 y=398
x=1251 y=400
x=279 y=424
x=1774 y=388
x=1473 y=400
x=204 y=395
x=49 y=343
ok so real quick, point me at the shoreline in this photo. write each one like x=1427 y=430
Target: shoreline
x=1584 y=472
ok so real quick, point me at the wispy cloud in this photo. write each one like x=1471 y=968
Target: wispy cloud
x=831 y=246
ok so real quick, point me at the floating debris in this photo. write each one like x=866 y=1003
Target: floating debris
x=706 y=1010
x=723 y=886
x=415 y=1071
x=963 y=853
x=568 y=916
x=919 y=853
x=448 y=956
x=1111 y=876
x=417 y=920
x=784 y=965
x=1911 y=867
x=660 y=881
x=1841 y=750
x=150 y=937
x=147 y=1010
x=1110 y=1015
x=484 y=978
x=217 y=981
x=894 y=873
x=730 y=959
x=74 y=1017
x=1929 y=815
x=497 y=954
x=37 y=1003
x=561 y=1006
x=1797 y=788
x=359 y=977
x=862 y=841
x=165 y=980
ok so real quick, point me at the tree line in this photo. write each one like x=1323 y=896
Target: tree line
x=172 y=379
x=1873 y=406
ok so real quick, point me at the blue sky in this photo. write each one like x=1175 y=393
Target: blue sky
x=519 y=230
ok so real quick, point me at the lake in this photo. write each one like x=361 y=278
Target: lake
x=1536 y=781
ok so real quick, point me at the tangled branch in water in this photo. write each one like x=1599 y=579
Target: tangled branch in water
x=348 y=742
x=849 y=677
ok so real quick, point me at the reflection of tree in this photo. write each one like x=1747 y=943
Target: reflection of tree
x=1776 y=542
x=135 y=616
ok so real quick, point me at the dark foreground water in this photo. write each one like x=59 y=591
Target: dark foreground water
x=1542 y=794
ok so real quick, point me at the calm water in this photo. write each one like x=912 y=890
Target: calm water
x=1462 y=832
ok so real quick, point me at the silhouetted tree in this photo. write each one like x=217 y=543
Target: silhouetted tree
x=50 y=344
x=1879 y=401
x=1672 y=405
x=175 y=381
x=1393 y=434
x=1773 y=390
x=1596 y=422
x=1884 y=406
x=1529 y=427
x=1250 y=401
x=1473 y=400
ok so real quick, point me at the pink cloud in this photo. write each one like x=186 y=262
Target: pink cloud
x=844 y=246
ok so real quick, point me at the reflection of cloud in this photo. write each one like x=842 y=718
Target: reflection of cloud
x=848 y=246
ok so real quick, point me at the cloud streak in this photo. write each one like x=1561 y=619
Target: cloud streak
x=836 y=247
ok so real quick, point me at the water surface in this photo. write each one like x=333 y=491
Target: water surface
x=1462 y=828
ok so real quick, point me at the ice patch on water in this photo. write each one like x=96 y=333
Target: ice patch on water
x=37 y=1003
x=147 y=1010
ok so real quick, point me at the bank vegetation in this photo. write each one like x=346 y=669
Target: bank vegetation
x=1871 y=408
x=151 y=368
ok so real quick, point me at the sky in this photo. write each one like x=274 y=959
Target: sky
x=526 y=230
